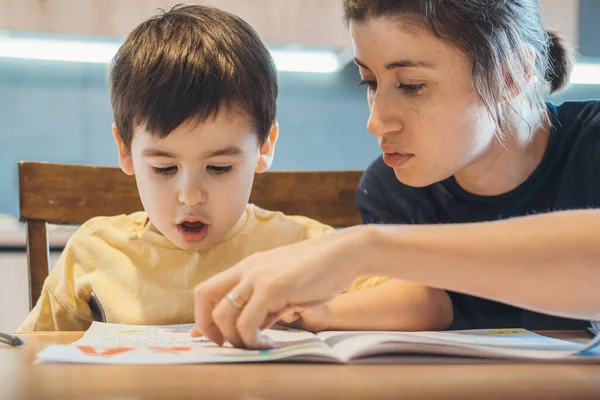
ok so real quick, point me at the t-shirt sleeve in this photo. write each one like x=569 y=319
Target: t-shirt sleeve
x=366 y=283
x=314 y=228
x=63 y=305
x=49 y=314
x=579 y=140
x=595 y=181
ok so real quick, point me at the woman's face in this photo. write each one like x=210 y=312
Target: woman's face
x=425 y=110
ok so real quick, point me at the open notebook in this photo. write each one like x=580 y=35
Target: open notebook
x=133 y=344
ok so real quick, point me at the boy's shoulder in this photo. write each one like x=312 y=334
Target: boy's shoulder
x=118 y=227
x=96 y=243
x=278 y=223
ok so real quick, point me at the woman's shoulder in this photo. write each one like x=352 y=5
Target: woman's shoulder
x=578 y=108
x=577 y=148
x=578 y=118
x=576 y=134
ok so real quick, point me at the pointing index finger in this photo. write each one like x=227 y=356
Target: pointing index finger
x=206 y=296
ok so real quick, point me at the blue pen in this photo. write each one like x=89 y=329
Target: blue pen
x=10 y=339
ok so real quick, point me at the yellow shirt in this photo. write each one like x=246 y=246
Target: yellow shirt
x=140 y=277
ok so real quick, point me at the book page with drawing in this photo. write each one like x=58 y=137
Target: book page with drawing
x=105 y=343
x=133 y=344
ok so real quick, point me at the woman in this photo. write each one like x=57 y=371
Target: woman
x=457 y=95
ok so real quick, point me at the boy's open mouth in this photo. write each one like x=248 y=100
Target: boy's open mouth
x=192 y=226
x=192 y=231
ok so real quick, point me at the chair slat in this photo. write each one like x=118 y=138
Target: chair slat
x=37 y=258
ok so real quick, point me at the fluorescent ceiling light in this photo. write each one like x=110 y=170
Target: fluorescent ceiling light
x=103 y=52
x=285 y=60
x=305 y=61
x=57 y=50
x=586 y=74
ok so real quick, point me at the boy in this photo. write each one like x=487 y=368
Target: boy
x=194 y=95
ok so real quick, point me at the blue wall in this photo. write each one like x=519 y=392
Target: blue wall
x=589 y=12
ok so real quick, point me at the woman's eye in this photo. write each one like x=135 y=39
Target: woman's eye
x=411 y=89
x=371 y=85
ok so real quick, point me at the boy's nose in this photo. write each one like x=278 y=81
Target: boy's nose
x=192 y=195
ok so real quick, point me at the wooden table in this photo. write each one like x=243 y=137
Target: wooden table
x=20 y=379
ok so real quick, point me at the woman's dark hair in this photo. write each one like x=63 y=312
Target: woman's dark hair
x=500 y=37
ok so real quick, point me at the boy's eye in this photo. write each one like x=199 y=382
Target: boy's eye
x=165 y=170
x=219 y=170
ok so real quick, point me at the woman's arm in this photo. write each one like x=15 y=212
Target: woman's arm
x=548 y=263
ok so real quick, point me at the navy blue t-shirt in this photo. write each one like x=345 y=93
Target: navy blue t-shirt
x=567 y=178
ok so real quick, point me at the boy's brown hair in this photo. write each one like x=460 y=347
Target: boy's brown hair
x=187 y=63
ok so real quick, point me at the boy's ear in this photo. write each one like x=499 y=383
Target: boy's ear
x=125 y=160
x=267 y=150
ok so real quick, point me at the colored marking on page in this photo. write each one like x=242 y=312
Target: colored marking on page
x=508 y=332
x=178 y=331
x=170 y=350
x=91 y=351
x=129 y=332
x=271 y=352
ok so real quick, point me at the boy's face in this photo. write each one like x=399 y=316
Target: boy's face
x=195 y=183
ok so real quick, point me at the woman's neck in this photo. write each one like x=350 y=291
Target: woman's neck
x=507 y=163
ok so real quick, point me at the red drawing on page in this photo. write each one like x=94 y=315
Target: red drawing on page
x=170 y=350
x=91 y=351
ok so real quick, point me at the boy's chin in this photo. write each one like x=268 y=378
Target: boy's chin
x=192 y=246
x=201 y=245
x=178 y=239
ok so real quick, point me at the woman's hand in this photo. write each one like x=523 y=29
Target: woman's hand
x=252 y=295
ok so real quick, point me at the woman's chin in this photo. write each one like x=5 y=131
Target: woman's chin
x=414 y=178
